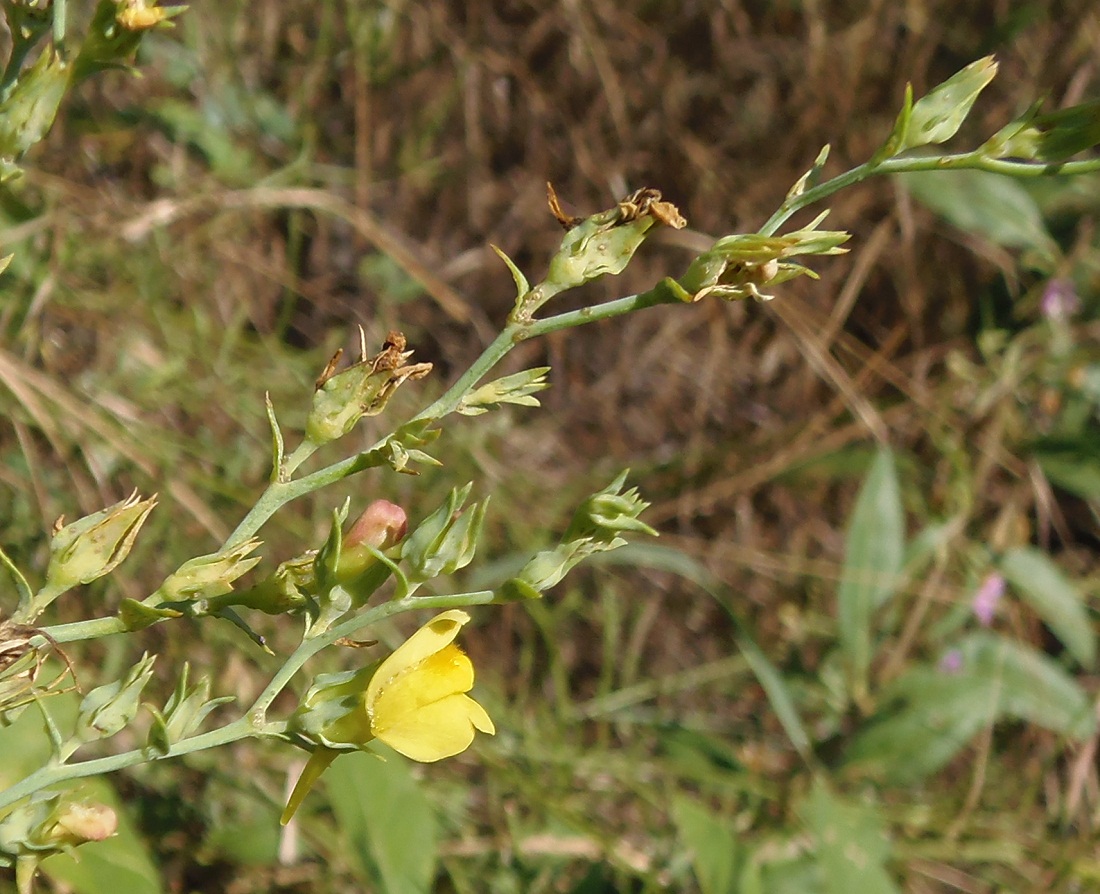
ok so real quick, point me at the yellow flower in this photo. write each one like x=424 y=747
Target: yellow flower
x=416 y=701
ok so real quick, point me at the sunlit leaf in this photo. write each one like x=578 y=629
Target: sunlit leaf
x=988 y=205
x=852 y=847
x=873 y=556
x=1055 y=599
x=714 y=848
x=386 y=820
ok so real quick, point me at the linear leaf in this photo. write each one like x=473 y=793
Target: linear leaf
x=1043 y=586
x=873 y=556
x=714 y=848
x=386 y=819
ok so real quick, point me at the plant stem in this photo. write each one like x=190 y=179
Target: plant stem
x=254 y=723
x=54 y=774
x=960 y=161
x=311 y=647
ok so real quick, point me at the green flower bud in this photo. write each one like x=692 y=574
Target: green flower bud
x=598 y=245
x=184 y=712
x=287 y=589
x=109 y=708
x=89 y=548
x=739 y=266
x=596 y=527
x=207 y=577
x=342 y=399
x=446 y=540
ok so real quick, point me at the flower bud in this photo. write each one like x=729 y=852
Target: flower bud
x=342 y=399
x=382 y=525
x=286 y=589
x=598 y=245
x=77 y=823
x=208 y=576
x=446 y=540
x=109 y=708
x=596 y=527
x=95 y=545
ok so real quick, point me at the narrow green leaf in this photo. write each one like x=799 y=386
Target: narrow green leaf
x=277 y=446
x=22 y=588
x=984 y=204
x=522 y=286
x=852 y=847
x=873 y=556
x=387 y=821
x=1055 y=599
x=646 y=555
x=715 y=852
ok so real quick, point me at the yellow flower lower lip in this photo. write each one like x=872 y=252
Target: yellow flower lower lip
x=416 y=700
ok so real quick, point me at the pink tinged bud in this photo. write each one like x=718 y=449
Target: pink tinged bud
x=78 y=823
x=987 y=598
x=383 y=524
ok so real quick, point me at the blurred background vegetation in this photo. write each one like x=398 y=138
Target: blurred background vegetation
x=284 y=170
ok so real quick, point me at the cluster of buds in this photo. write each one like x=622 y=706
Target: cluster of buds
x=596 y=527
x=742 y=266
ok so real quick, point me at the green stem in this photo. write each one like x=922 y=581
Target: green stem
x=57 y=773
x=311 y=647
x=254 y=723
x=82 y=630
x=39 y=602
x=278 y=494
x=960 y=161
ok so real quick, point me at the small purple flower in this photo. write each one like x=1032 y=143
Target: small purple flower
x=987 y=598
x=951 y=662
x=1059 y=300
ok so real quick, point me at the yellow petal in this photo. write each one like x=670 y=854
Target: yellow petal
x=441 y=729
x=434 y=636
x=447 y=672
